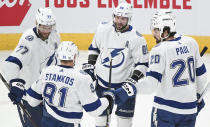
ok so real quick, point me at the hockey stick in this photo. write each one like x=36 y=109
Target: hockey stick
x=204 y=92
x=208 y=85
x=19 y=104
x=109 y=88
x=203 y=51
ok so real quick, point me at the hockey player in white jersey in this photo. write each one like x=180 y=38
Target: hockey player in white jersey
x=177 y=74
x=35 y=51
x=66 y=91
x=119 y=41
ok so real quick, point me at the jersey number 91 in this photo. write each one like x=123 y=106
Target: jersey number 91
x=50 y=91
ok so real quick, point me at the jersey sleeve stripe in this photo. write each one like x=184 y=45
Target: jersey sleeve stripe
x=69 y=115
x=15 y=60
x=201 y=70
x=92 y=106
x=34 y=94
x=50 y=59
x=155 y=75
x=139 y=63
x=175 y=104
x=95 y=49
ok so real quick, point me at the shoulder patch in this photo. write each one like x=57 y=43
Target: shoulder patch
x=29 y=37
x=138 y=34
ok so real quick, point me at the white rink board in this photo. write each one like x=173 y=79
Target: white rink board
x=9 y=116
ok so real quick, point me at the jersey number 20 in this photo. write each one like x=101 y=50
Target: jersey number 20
x=182 y=66
x=50 y=90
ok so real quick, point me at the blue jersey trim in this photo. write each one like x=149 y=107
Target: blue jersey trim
x=113 y=85
x=92 y=106
x=34 y=94
x=129 y=29
x=64 y=66
x=69 y=115
x=35 y=31
x=145 y=64
x=176 y=39
x=15 y=60
x=95 y=49
x=201 y=70
x=155 y=75
x=175 y=104
x=17 y=80
x=50 y=60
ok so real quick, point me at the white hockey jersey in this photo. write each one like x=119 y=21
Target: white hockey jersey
x=30 y=56
x=128 y=51
x=177 y=73
x=65 y=92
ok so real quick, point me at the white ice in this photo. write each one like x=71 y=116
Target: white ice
x=9 y=116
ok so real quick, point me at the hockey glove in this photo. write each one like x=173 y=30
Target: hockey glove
x=89 y=68
x=17 y=90
x=121 y=95
x=200 y=105
x=128 y=90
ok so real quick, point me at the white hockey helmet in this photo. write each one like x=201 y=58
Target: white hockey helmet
x=67 y=50
x=45 y=16
x=162 y=12
x=124 y=9
x=163 y=21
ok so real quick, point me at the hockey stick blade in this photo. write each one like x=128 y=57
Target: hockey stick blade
x=204 y=92
x=203 y=51
x=19 y=104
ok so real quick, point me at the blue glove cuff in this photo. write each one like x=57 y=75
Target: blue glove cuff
x=17 y=80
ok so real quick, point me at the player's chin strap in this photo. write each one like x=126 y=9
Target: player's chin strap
x=19 y=104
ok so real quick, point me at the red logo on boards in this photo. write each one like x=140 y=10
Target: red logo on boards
x=12 y=12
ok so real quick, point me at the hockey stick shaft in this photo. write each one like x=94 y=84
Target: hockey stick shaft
x=19 y=104
x=203 y=51
x=208 y=85
x=109 y=87
x=204 y=92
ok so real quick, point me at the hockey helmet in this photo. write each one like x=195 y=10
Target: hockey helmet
x=45 y=16
x=67 y=51
x=163 y=21
x=123 y=9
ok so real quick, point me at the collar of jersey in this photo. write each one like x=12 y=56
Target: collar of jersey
x=64 y=66
x=129 y=29
x=176 y=39
x=35 y=31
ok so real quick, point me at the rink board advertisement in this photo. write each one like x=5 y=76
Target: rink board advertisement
x=77 y=20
